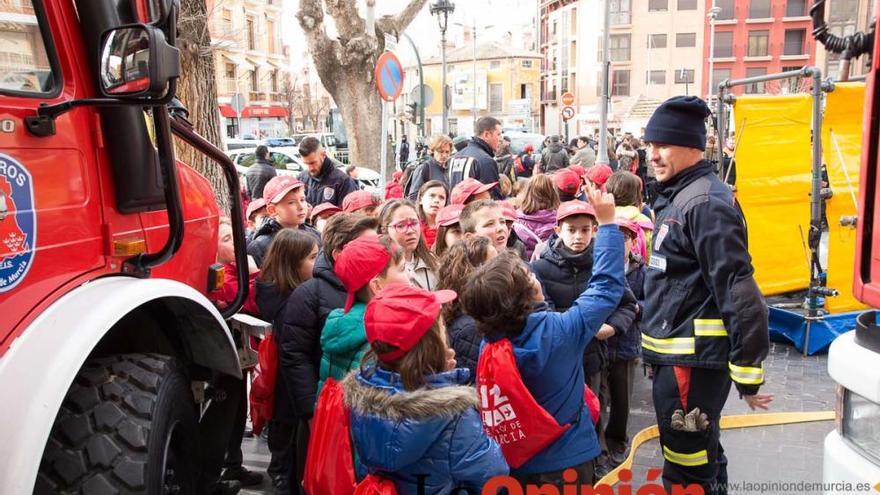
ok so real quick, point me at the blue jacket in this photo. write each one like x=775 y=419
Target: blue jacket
x=433 y=432
x=549 y=353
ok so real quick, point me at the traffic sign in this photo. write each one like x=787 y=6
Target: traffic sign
x=567 y=99
x=567 y=113
x=416 y=96
x=389 y=76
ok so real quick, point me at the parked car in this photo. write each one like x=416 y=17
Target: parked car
x=518 y=141
x=288 y=162
x=275 y=142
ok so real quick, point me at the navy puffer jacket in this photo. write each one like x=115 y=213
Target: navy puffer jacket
x=299 y=341
x=465 y=341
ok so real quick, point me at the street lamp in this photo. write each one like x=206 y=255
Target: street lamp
x=442 y=9
x=713 y=14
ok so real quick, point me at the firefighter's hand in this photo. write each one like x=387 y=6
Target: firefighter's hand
x=450 y=359
x=604 y=332
x=757 y=401
x=603 y=203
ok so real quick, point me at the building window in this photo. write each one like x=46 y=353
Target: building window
x=227 y=21
x=684 y=40
x=270 y=35
x=494 y=64
x=230 y=71
x=251 y=33
x=759 y=9
x=794 y=41
x=657 y=77
x=723 y=44
x=791 y=84
x=684 y=76
x=453 y=126
x=718 y=77
x=496 y=98
x=526 y=64
x=727 y=10
x=844 y=10
x=253 y=80
x=275 y=81
x=620 y=11
x=658 y=5
x=599 y=83
x=798 y=8
x=758 y=43
x=572 y=24
x=620 y=83
x=619 y=47
x=656 y=41
x=687 y=4
x=755 y=88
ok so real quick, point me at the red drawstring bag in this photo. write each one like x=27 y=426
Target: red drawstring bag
x=329 y=461
x=510 y=414
x=330 y=458
x=263 y=387
x=592 y=404
x=374 y=484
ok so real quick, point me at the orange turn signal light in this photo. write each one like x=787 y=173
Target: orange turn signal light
x=129 y=247
x=216 y=274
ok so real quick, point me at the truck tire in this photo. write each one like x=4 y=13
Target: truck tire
x=127 y=425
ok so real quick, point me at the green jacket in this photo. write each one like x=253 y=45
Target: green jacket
x=343 y=343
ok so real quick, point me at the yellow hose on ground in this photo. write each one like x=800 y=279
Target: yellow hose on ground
x=727 y=422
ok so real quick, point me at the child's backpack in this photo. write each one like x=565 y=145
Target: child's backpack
x=330 y=458
x=263 y=387
x=510 y=414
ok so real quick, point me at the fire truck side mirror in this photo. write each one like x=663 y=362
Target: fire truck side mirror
x=137 y=62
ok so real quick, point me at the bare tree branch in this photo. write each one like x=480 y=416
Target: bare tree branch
x=397 y=24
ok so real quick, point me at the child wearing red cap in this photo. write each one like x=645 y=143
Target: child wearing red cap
x=365 y=266
x=448 y=228
x=321 y=213
x=506 y=301
x=462 y=259
x=361 y=202
x=287 y=208
x=400 y=220
x=413 y=418
x=432 y=196
x=393 y=189
x=485 y=218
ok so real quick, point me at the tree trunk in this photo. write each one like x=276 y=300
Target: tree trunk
x=345 y=66
x=197 y=89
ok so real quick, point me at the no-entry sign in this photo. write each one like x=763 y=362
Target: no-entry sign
x=389 y=76
x=567 y=99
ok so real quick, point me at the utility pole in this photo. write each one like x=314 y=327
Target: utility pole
x=602 y=157
x=713 y=14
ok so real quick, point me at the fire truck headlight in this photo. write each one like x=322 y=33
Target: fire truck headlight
x=860 y=424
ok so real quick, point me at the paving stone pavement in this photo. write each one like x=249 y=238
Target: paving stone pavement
x=772 y=453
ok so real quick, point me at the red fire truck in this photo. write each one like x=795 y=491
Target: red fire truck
x=107 y=251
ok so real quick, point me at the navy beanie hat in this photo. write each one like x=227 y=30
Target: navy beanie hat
x=680 y=121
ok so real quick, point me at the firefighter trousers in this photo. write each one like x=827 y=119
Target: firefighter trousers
x=691 y=457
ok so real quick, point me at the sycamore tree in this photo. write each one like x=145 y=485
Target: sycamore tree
x=345 y=66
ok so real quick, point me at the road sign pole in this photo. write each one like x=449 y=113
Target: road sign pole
x=384 y=147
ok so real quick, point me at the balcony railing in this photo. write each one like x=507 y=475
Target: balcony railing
x=230 y=86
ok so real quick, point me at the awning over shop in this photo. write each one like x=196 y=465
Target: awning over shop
x=258 y=112
x=240 y=62
x=227 y=111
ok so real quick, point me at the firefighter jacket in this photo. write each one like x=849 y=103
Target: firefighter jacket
x=702 y=306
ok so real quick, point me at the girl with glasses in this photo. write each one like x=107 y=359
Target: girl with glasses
x=399 y=219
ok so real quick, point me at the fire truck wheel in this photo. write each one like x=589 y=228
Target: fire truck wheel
x=127 y=425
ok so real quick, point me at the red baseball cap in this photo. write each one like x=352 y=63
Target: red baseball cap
x=632 y=227
x=253 y=206
x=508 y=212
x=449 y=215
x=357 y=200
x=401 y=314
x=581 y=171
x=599 y=174
x=329 y=208
x=567 y=180
x=278 y=187
x=571 y=208
x=358 y=262
x=397 y=175
x=467 y=188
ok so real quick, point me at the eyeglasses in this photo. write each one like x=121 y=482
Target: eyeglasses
x=406 y=225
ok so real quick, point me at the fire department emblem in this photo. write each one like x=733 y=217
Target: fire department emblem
x=18 y=222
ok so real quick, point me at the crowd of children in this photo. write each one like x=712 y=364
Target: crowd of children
x=421 y=310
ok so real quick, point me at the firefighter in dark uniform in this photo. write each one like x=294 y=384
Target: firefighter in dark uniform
x=705 y=319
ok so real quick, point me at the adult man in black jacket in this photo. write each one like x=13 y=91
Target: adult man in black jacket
x=259 y=173
x=324 y=182
x=705 y=320
x=477 y=158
